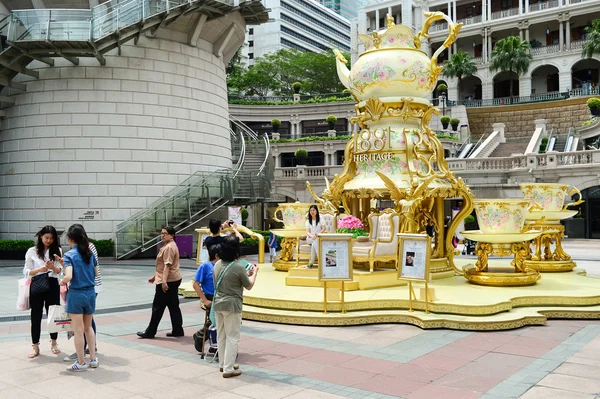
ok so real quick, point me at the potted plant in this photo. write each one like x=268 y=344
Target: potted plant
x=275 y=123
x=470 y=223
x=543 y=145
x=454 y=122
x=594 y=105
x=296 y=86
x=301 y=154
x=445 y=121
x=244 y=213
x=442 y=88
x=331 y=120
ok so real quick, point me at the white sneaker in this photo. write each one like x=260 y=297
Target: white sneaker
x=78 y=367
x=94 y=363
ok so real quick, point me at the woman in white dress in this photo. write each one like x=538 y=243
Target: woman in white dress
x=314 y=227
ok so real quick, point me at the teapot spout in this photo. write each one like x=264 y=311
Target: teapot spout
x=342 y=69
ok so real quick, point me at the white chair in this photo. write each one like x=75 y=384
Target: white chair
x=303 y=248
x=382 y=245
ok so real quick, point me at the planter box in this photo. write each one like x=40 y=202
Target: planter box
x=15 y=255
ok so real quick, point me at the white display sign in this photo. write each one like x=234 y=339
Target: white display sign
x=235 y=214
x=413 y=257
x=335 y=257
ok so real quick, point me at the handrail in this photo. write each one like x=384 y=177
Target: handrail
x=550 y=143
x=569 y=140
x=474 y=148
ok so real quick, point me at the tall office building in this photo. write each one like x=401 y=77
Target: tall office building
x=304 y=25
x=346 y=8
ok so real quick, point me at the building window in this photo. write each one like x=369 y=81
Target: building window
x=251 y=43
x=251 y=56
x=251 y=31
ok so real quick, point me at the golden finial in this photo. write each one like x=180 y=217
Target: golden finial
x=390 y=20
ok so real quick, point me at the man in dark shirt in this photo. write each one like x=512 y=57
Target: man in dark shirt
x=216 y=227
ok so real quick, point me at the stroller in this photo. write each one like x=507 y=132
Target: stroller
x=469 y=248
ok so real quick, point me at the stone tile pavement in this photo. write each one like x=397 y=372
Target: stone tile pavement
x=559 y=360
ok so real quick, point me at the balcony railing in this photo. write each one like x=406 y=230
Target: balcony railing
x=505 y=13
x=551 y=160
x=470 y=20
x=543 y=5
x=555 y=48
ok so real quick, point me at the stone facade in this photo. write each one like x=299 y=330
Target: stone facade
x=111 y=140
x=520 y=119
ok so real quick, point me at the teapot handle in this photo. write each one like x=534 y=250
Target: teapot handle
x=579 y=201
x=453 y=29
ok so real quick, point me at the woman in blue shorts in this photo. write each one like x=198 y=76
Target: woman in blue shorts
x=81 y=269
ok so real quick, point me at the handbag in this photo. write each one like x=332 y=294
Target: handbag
x=23 y=297
x=40 y=284
x=58 y=319
x=211 y=314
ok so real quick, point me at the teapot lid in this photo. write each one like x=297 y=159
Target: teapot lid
x=395 y=36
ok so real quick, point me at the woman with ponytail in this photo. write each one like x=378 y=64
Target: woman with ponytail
x=81 y=269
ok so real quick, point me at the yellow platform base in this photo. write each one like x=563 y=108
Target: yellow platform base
x=459 y=304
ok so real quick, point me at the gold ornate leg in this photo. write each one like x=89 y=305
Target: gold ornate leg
x=287 y=249
x=522 y=251
x=538 y=249
x=482 y=251
x=547 y=240
x=559 y=249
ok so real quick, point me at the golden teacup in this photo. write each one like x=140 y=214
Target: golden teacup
x=293 y=214
x=501 y=216
x=549 y=196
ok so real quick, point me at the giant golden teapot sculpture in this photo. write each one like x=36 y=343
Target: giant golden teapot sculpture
x=393 y=62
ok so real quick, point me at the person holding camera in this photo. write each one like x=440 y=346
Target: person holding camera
x=216 y=228
x=167 y=279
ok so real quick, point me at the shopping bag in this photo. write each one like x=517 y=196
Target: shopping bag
x=23 y=297
x=58 y=319
x=204 y=255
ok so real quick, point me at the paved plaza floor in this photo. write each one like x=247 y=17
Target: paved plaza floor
x=559 y=360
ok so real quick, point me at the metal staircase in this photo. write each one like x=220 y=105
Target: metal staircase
x=40 y=34
x=203 y=194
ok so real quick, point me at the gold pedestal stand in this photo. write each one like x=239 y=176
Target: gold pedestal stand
x=286 y=260
x=502 y=245
x=545 y=259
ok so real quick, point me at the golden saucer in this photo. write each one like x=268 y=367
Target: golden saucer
x=289 y=233
x=550 y=215
x=529 y=277
x=497 y=238
x=550 y=266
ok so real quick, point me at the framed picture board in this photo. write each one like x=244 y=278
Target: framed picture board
x=414 y=254
x=335 y=257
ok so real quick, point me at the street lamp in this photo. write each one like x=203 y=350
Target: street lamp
x=443 y=103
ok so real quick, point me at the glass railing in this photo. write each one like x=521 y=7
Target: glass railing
x=202 y=194
x=83 y=25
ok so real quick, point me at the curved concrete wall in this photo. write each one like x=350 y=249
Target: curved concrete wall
x=110 y=140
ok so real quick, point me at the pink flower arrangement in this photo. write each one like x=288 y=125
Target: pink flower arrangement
x=350 y=222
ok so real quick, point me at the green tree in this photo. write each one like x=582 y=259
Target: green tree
x=592 y=45
x=460 y=65
x=276 y=73
x=511 y=54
